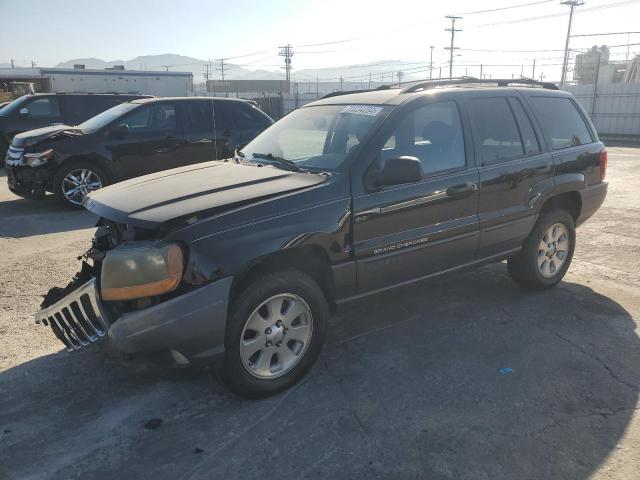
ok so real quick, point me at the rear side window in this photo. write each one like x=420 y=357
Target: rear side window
x=199 y=115
x=495 y=132
x=43 y=107
x=529 y=139
x=562 y=122
x=230 y=115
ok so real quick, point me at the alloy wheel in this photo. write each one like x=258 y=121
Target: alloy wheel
x=276 y=336
x=78 y=183
x=553 y=250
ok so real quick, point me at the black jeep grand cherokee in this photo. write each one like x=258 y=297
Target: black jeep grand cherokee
x=347 y=197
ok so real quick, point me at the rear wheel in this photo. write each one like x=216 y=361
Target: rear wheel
x=73 y=182
x=275 y=333
x=547 y=253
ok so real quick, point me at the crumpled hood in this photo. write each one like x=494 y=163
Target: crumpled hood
x=215 y=186
x=33 y=137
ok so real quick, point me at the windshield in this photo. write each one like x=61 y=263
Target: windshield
x=106 y=117
x=317 y=137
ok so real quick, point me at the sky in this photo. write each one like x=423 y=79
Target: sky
x=250 y=32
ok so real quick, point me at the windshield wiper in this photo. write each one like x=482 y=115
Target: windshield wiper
x=282 y=161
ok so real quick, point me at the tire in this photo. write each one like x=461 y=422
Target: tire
x=60 y=181
x=541 y=263
x=274 y=366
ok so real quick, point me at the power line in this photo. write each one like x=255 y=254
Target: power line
x=506 y=8
x=553 y=15
x=602 y=34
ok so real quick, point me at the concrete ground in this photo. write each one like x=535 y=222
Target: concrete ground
x=408 y=386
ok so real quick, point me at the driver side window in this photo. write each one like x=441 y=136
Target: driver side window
x=152 y=119
x=431 y=133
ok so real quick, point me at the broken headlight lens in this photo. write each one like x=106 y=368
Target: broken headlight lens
x=141 y=269
x=36 y=159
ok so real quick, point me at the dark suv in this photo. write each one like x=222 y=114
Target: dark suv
x=347 y=197
x=44 y=109
x=129 y=140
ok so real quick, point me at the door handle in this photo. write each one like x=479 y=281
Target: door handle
x=461 y=190
x=227 y=133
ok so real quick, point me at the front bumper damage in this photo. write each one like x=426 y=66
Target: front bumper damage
x=191 y=325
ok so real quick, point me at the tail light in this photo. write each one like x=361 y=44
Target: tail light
x=603 y=164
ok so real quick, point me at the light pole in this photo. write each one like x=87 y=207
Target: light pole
x=572 y=4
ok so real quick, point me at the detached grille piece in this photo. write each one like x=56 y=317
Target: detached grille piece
x=78 y=319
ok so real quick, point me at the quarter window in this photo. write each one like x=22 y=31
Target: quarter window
x=431 y=133
x=495 y=132
x=562 y=122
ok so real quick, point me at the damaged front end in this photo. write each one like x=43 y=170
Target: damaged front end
x=121 y=272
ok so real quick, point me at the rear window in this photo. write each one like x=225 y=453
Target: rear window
x=562 y=122
x=495 y=132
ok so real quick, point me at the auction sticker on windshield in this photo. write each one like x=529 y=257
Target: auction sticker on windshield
x=371 y=110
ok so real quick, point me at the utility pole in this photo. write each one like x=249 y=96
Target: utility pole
x=221 y=70
x=572 y=4
x=12 y=63
x=431 y=63
x=451 y=48
x=287 y=53
x=369 y=80
x=480 y=71
x=533 y=71
x=341 y=83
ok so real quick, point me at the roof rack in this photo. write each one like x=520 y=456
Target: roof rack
x=500 y=82
x=347 y=92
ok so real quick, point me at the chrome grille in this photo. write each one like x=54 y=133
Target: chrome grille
x=78 y=319
x=14 y=155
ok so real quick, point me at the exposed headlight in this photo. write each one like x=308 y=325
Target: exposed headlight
x=142 y=269
x=40 y=158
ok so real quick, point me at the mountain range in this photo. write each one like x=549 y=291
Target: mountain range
x=232 y=71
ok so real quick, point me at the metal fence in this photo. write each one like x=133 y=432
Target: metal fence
x=614 y=108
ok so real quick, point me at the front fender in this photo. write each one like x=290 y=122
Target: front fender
x=227 y=252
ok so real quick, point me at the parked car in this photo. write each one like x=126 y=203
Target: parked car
x=128 y=140
x=44 y=109
x=345 y=198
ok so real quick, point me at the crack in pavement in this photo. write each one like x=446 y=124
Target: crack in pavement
x=601 y=362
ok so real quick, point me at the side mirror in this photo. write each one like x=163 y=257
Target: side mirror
x=24 y=111
x=121 y=129
x=400 y=170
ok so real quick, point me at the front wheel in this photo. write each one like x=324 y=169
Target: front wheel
x=547 y=253
x=274 y=334
x=73 y=182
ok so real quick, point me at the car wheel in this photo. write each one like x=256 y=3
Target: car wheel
x=547 y=253
x=274 y=334
x=73 y=182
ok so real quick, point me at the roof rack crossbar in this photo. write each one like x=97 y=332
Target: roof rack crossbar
x=501 y=82
x=347 y=92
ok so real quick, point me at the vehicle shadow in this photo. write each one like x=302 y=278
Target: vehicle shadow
x=465 y=377
x=23 y=218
